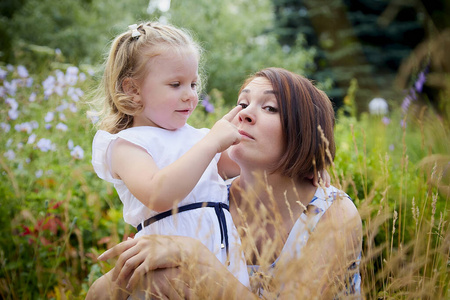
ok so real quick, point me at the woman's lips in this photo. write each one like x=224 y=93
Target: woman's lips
x=243 y=133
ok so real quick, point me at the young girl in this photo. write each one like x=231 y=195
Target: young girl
x=155 y=160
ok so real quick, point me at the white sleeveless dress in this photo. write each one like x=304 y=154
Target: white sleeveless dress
x=165 y=147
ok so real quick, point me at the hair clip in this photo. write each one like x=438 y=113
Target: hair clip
x=134 y=32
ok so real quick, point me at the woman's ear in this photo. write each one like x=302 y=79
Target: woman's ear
x=130 y=88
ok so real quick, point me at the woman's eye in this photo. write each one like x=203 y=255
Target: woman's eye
x=271 y=109
x=244 y=105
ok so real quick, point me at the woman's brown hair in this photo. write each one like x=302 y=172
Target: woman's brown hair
x=307 y=120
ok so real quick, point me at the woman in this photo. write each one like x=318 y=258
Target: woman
x=301 y=240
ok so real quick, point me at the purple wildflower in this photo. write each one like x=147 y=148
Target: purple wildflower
x=406 y=103
x=209 y=107
x=70 y=144
x=420 y=81
x=386 y=120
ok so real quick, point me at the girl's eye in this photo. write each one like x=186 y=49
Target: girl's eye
x=271 y=109
x=175 y=84
x=194 y=85
x=244 y=105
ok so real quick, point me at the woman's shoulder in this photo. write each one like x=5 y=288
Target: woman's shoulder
x=341 y=208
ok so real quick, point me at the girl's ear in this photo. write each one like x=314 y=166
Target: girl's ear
x=130 y=88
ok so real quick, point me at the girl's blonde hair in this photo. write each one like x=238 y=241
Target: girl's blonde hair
x=128 y=58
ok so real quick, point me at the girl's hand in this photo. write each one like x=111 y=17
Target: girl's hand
x=225 y=134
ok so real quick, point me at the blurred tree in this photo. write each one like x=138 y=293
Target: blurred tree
x=7 y=10
x=361 y=39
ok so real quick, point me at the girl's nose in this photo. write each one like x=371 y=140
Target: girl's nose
x=189 y=94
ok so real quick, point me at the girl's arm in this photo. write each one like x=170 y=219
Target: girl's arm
x=197 y=268
x=160 y=189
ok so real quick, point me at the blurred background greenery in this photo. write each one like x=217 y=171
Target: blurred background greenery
x=56 y=216
x=329 y=41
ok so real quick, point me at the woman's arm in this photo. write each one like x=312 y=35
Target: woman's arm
x=195 y=269
x=332 y=247
x=159 y=189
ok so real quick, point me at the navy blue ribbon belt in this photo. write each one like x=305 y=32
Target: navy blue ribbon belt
x=218 y=207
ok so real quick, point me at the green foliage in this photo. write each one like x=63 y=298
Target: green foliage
x=237 y=36
x=238 y=39
x=80 y=29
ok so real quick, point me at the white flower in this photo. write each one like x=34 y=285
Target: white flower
x=62 y=116
x=5 y=126
x=49 y=116
x=13 y=114
x=378 y=106
x=31 y=139
x=9 y=154
x=45 y=145
x=61 y=126
x=3 y=74
x=22 y=71
x=12 y=103
x=39 y=173
x=77 y=152
x=32 y=97
x=24 y=127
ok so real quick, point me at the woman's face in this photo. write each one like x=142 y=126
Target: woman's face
x=259 y=124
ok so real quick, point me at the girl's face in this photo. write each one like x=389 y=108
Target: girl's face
x=259 y=124
x=168 y=91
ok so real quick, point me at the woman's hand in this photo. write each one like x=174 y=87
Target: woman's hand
x=139 y=256
x=173 y=266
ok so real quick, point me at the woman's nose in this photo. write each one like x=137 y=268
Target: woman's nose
x=246 y=116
